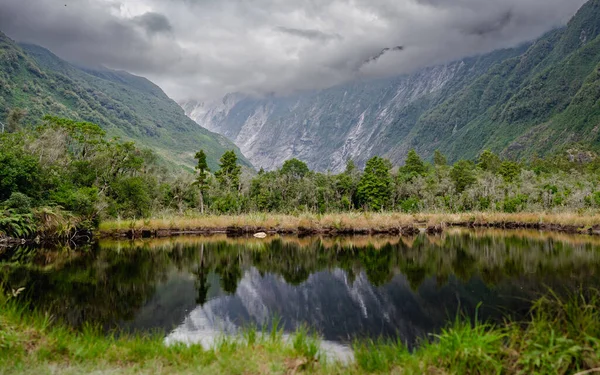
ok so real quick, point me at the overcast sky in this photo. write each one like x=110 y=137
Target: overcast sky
x=204 y=49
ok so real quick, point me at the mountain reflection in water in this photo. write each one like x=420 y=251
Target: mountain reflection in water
x=191 y=288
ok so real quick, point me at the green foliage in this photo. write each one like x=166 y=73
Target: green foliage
x=537 y=100
x=16 y=224
x=202 y=176
x=413 y=166
x=306 y=344
x=470 y=348
x=294 y=168
x=488 y=161
x=229 y=173
x=410 y=205
x=439 y=159
x=379 y=356
x=202 y=170
x=132 y=196
x=462 y=175
x=19 y=202
x=515 y=204
x=374 y=187
x=510 y=171
x=19 y=171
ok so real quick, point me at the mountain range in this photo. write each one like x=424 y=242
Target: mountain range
x=535 y=99
x=124 y=105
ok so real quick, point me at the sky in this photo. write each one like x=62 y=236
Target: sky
x=204 y=49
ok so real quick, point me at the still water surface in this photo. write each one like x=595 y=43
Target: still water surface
x=194 y=288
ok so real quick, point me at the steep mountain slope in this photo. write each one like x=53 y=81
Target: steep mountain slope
x=125 y=105
x=533 y=99
x=538 y=102
x=327 y=127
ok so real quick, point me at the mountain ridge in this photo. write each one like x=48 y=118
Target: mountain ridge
x=124 y=105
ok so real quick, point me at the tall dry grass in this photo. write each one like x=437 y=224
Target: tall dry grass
x=352 y=220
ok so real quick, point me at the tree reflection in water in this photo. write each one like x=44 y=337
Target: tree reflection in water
x=160 y=281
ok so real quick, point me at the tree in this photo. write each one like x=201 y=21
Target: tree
x=350 y=167
x=19 y=171
x=488 y=161
x=202 y=176
x=294 y=169
x=374 y=188
x=414 y=165
x=229 y=173
x=510 y=171
x=346 y=183
x=462 y=175
x=439 y=159
x=14 y=118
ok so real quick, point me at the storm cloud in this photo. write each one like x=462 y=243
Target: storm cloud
x=203 y=49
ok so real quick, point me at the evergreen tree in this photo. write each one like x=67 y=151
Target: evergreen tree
x=509 y=170
x=462 y=174
x=350 y=167
x=488 y=161
x=202 y=176
x=375 y=186
x=439 y=159
x=345 y=184
x=413 y=166
x=229 y=173
x=413 y=163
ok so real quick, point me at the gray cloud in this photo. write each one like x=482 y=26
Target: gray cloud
x=490 y=26
x=308 y=33
x=154 y=22
x=206 y=48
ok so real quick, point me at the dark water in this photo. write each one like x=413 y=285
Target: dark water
x=344 y=288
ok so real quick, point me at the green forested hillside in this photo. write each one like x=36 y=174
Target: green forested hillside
x=124 y=105
x=539 y=102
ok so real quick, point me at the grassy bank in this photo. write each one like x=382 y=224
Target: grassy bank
x=560 y=338
x=357 y=222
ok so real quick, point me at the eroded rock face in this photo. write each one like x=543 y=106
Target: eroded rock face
x=323 y=128
x=356 y=120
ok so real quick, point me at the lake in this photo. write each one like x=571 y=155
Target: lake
x=195 y=288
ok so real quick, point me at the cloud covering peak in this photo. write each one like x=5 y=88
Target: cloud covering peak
x=203 y=49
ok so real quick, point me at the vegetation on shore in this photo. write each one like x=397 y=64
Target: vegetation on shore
x=352 y=222
x=66 y=176
x=560 y=337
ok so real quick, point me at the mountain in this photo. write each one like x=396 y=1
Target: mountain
x=534 y=99
x=124 y=105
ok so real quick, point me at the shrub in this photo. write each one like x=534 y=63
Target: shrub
x=19 y=202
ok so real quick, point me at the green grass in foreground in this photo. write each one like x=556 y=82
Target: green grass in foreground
x=560 y=338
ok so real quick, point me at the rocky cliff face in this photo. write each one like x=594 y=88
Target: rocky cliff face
x=328 y=127
x=536 y=99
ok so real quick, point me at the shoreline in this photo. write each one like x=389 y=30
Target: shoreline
x=332 y=225
x=346 y=224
